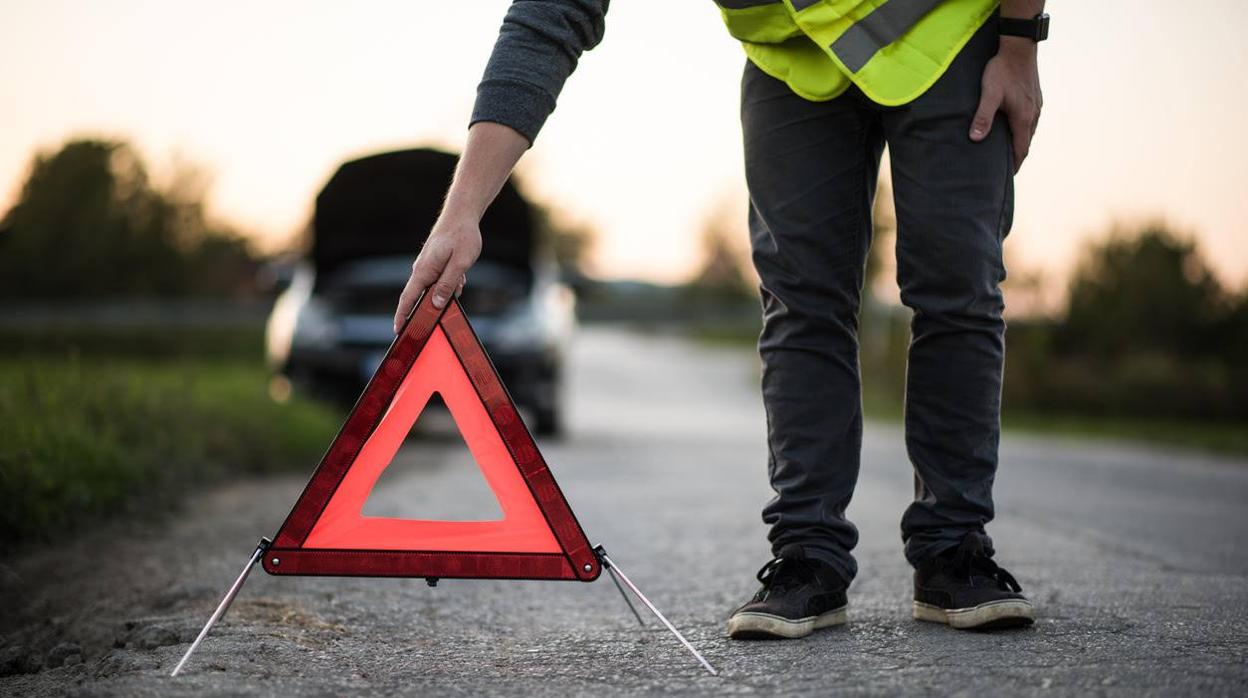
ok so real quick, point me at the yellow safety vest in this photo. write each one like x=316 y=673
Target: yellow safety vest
x=893 y=50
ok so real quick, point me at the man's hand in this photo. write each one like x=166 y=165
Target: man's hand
x=442 y=264
x=1011 y=84
x=455 y=241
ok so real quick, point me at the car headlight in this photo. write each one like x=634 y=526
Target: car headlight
x=315 y=328
x=520 y=329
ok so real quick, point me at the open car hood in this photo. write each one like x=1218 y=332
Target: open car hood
x=384 y=205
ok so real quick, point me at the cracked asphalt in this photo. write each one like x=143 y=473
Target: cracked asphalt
x=1136 y=557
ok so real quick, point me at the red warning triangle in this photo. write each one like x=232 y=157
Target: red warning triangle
x=538 y=536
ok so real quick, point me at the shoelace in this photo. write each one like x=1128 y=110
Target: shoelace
x=971 y=560
x=784 y=573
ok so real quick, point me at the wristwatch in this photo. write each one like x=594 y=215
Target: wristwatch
x=1036 y=28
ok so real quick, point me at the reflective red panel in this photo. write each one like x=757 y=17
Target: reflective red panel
x=538 y=537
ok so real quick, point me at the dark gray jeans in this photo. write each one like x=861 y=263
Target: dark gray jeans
x=812 y=170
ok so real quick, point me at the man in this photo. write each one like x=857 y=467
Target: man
x=952 y=87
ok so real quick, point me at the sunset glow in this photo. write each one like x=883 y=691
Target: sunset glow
x=1142 y=118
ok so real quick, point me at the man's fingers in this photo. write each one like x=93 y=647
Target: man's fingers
x=448 y=283
x=989 y=103
x=1021 y=130
x=407 y=299
x=1021 y=145
x=463 y=279
x=424 y=271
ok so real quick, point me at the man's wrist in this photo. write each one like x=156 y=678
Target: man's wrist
x=467 y=199
x=459 y=211
x=1021 y=9
x=1023 y=24
x=1017 y=45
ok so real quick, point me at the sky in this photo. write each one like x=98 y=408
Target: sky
x=1144 y=113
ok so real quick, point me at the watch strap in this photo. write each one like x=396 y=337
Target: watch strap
x=1036 y=28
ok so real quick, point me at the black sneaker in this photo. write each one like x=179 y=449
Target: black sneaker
x=799 y=595
x=965 y=589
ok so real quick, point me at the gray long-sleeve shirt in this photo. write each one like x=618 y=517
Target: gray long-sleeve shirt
x=537 y=49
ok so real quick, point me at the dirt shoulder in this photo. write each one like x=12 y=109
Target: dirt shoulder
x=97 y=605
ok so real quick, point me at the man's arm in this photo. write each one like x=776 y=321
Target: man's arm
x=538 y=47
x=1011 y=84
x=455 y=240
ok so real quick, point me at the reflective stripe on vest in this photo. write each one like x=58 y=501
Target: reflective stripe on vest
x=879 y=29
x=893 y=50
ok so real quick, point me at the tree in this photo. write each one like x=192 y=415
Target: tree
x=725 y=271
x=571 y=244
x=90 y=223
x=1145 y=292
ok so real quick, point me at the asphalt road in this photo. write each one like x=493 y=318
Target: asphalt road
x=1137 y=560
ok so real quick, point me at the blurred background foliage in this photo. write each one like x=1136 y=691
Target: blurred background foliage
x=131 y=363
x=1145 y=343
x=1147 y=331
x=89 y=222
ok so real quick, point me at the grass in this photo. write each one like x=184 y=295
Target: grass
x=1214 y=437
x=90 y=434
x=243 y=344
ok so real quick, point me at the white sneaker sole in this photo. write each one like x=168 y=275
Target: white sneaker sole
x=1007 y=613
x=751 y=625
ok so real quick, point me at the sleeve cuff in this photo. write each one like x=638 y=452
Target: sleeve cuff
x=513 y=103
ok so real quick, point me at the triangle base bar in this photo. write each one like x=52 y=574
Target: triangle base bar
x=407 y=563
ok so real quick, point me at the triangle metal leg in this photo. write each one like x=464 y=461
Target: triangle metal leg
x=224 y=606
x=616 y=580
x=610 y=565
